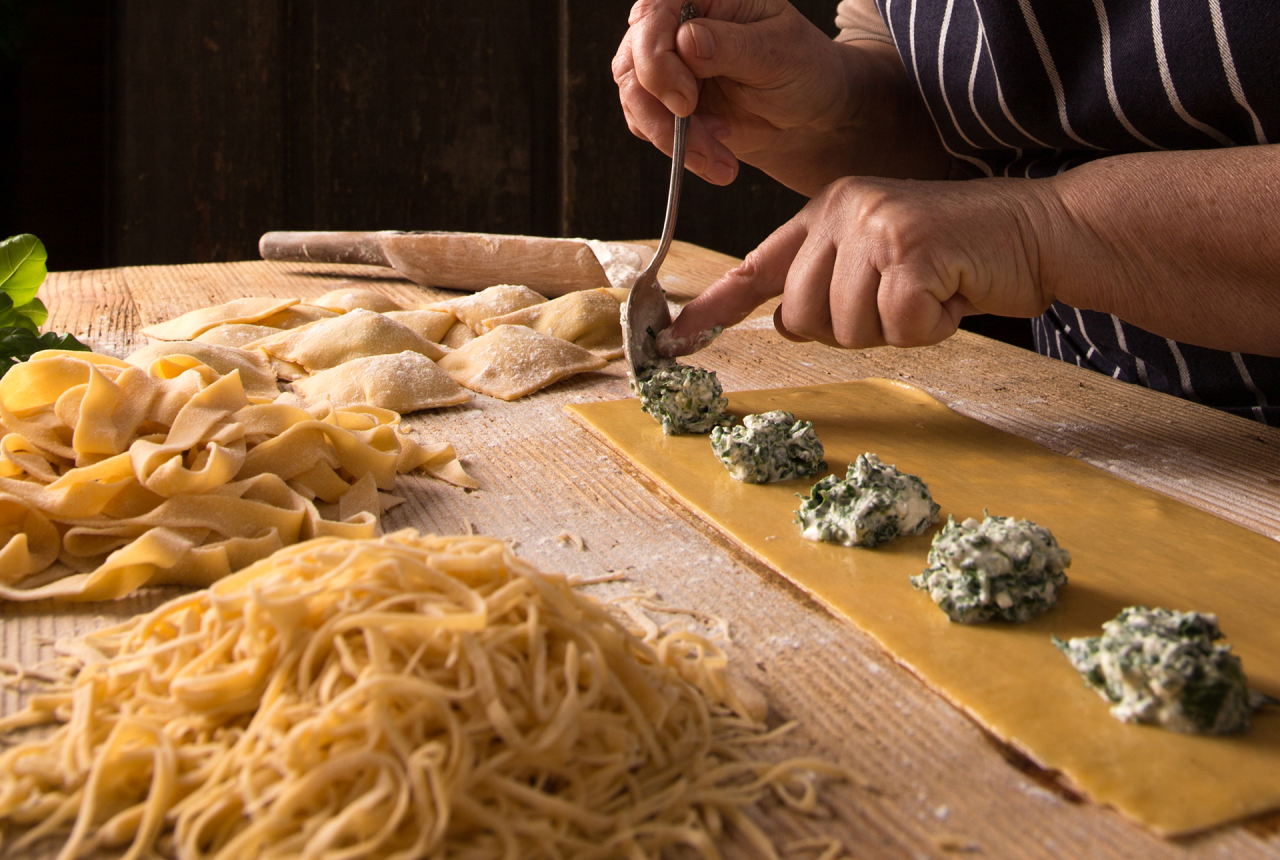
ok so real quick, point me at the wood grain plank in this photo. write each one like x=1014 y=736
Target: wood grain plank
x=198 y=129
x=933 y=784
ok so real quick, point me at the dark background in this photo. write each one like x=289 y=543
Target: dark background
x=142 y=132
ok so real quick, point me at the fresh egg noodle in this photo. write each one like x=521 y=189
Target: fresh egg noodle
x=114 y=476
x=398 y=697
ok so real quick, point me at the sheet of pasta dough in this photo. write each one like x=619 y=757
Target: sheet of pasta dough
x=1129 y=546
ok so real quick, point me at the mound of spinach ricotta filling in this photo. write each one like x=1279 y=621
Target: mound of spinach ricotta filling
x=999 y=568
x=684 y=400
x=1163 y=667
x=771 y=446
x=874 y=503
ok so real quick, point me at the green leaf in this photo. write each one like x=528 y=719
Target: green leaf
x=30 y=316
x=19 y=344
x=22 y=267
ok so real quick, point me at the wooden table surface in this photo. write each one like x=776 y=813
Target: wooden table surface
x=933 y=784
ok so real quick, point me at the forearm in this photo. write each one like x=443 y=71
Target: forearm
x=878 y=126
x=1183 y=244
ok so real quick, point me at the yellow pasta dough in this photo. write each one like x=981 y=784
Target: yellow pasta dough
x=356 y=334
x=512 y=361
x=432 y=325
x=239 y=335
x=194 y=323
x=255 y=373
x=404 y=382
x=396 y=698
x=297 y=316
x=459 y=334
x=1128 y=546
x=113 y=476
x=589 y=318
x=343 y=301
x=495 y=301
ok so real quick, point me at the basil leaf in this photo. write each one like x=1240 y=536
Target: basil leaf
x=22 y=267
x=29 y=316
x=19 y=344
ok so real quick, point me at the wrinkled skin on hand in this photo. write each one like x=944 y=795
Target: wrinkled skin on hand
x=875 y=262
x=750 y=73
x=1184 y=244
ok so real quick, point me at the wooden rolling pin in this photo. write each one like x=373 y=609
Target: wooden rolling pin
x=457 y=261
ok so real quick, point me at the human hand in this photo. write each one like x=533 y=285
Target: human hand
x=754 y=74
x=874 y=262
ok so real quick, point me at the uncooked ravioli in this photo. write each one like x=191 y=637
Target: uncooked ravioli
x=432 y=325
x=197 y=322
x=358 y=334
x=492 y=302
x=590 y=318
x=238 y=335
x=255 y=373
x=343 y=301
x=512 y=361
x=459 y=334
x=404 y=382
x=297 y=316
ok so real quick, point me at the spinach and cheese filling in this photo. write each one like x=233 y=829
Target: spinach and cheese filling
x=998 y=568
x=771 y=446
x=685 y=400
x=873 y=504
x=1162 y=667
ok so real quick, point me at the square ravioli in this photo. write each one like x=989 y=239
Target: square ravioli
x=592 y=319
x=357 y=334
x=197 y=322
x=404 y=382
x=512 y=361
x=495 y=301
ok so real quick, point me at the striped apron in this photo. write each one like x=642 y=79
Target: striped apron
x=1030 y=88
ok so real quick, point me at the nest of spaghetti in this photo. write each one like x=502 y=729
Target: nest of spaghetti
x=399 y=697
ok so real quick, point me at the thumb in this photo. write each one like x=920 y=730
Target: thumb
x=743 y=51
x=738 y=292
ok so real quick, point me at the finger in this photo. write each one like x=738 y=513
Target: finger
x=708 y=157
x=646 y=115
x=781 y=327
x=704 y=155
x=911 y=312
x=653 y=50
x=732 y=298
x=649 y=119
x=746 y=52
x=855 y=290
x=806 y=301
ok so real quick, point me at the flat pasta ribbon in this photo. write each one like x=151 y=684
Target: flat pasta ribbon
x=113 y=477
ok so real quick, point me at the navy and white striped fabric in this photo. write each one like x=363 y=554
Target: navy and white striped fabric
x=1029 y=88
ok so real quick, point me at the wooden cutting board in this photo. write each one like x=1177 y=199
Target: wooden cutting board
x=934 y=784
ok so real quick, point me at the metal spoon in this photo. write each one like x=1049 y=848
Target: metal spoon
x=645 y=312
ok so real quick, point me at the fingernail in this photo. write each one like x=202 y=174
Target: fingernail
x=719 y=173
x=676 y=103
x=704 y=43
